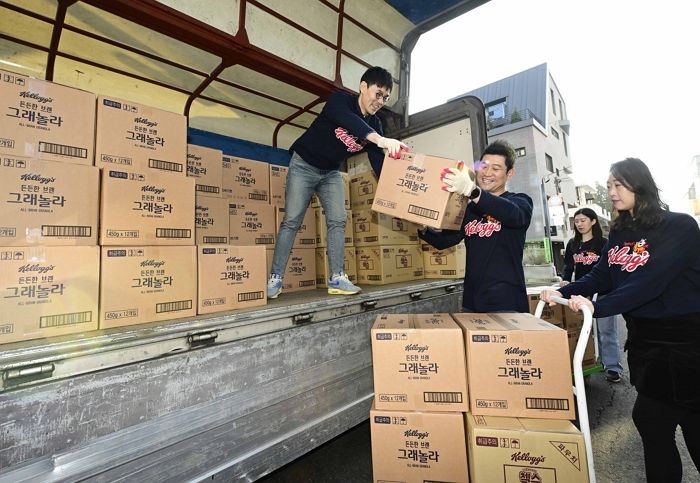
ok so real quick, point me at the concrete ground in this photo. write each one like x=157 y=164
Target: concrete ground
x=617 y=448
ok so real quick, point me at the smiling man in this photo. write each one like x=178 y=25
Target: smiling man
x=346 y=125
x=493 y=230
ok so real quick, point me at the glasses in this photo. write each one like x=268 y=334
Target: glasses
x=380 y=96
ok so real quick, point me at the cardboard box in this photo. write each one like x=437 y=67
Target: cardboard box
x=146 y=207
x=553 y=315
x=147 y=284
x=211 y=220
x=448 y=263
x=322 y=230
x=300 y=272
x=379 y=265
x=419 y=363
x=410 y=188
x=362 y=189
x=230 y=278
x=306 y=236
x=135 y=136
x=589 y=358
x=358 y=164
x=371 y=228
x=278 y=184
x=246 y=179
x=251 y=223
x=418 y=447
x=316 y=202
x=48 y=291
x=323 y=271
x=525 y=450
x=47 y=203
x=517 y=365
x=45 y=120
x=205 y=166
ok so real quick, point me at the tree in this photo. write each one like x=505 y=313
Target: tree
x=601 y=197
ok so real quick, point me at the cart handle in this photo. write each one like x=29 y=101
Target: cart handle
x=579 y=388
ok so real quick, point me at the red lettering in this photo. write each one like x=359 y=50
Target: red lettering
x=487 y=229
x=628 y=262
x=348 y=139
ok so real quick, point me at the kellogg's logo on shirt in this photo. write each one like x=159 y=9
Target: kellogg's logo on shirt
x=586 y=258
x=482 y=228
x=630 y=256
x=348 y=139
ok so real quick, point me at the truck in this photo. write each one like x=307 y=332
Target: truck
x=234 y=395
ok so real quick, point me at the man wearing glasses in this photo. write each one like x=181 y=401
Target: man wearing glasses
x=493 y=230
x=347 y=125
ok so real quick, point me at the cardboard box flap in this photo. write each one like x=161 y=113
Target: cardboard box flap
x=415 y=321
x=495 y=422
x=502 y=322
x=549 y=425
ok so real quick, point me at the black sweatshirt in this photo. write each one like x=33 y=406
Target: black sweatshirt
x=339 y=132
x=649 y=273
x=580 y=257
x=494 y=233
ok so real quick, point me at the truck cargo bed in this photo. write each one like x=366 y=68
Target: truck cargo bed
x=234 y=395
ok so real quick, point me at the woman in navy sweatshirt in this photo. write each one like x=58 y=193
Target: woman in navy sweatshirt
x=652 y=275
x=582 y=253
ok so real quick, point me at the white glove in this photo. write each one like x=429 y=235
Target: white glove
x=459 y=180
x=393 y=146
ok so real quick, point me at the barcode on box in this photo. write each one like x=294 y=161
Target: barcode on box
x=248 y=296
x=257 y=196
x=265 y=241
x=173 y=233
x=165 y=165
x=204 y=188
x=307 y=283
x=547 y=403
x=173 y=306
x=374 y=277
x=423 y=212
x=66 y=230
x=442 y=397
x=215 y=239
x=61 y=320
x=448 y=272
x=62 y=150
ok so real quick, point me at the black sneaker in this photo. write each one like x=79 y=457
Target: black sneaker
x=613 y=376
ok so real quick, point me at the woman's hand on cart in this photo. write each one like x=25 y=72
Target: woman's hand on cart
x=576 y=302
x=547 y=295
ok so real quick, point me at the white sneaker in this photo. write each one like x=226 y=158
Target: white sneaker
x=274 y=286
x=339 y=284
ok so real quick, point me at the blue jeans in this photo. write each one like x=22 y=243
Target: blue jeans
x=608 y=343
x=303 y=180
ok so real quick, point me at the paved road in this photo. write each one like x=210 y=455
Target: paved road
x=617 y=449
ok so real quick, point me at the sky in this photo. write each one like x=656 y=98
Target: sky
x=627 y=70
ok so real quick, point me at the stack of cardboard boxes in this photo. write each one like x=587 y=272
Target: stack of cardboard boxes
x=49 y=258
x=516 y=406
x=387 y=246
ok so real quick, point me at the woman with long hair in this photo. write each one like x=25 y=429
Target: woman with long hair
x=583 y=251
x=651 y=274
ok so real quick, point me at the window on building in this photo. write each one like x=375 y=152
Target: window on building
x=520 y=152
x=496 y=109
x=549 y=162
x=554 y=105
x=555 y=133
x=566 y=145
x=561 y=110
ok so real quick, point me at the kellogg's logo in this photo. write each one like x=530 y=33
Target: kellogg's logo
x=586 y=258
x=348 y=139
x=629 y=257
x=483 y=229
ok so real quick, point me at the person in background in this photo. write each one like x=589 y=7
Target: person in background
x=493 y=230
x=651 y=275
x=347 y=124
x=582 y=252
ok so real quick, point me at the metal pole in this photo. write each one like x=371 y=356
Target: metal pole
x=547 y=230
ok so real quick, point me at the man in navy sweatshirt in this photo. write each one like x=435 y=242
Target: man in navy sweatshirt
x=493 y=230
x=347 y=125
